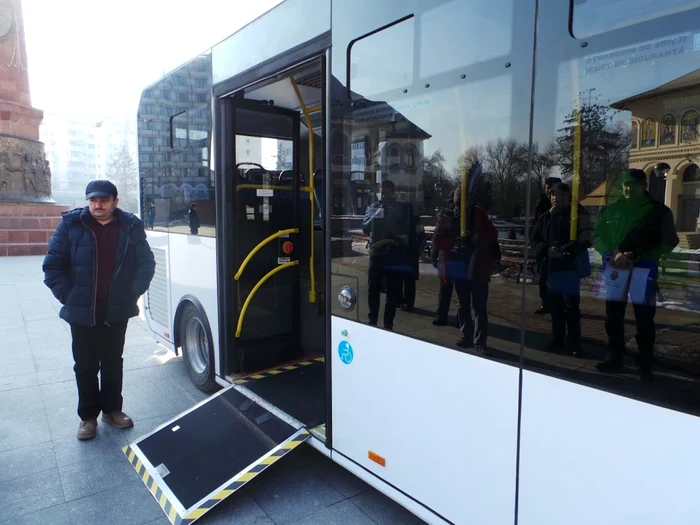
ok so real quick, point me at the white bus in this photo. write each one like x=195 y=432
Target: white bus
x=258 y=162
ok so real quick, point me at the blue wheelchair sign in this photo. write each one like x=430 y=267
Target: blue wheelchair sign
x=345 y=352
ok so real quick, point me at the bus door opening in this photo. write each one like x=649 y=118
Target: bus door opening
x=277 y=243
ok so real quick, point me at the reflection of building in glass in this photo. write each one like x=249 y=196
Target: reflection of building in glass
x=666 y=145
x=174 y=130
x=377 y=143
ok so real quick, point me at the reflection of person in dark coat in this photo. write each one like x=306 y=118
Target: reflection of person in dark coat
x=543 y=206
x=561 y=253
x=388 y=224
x=407 y=291
x=467 y=271
x=193 y=216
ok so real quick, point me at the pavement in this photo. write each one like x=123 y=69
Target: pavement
x=48 y=477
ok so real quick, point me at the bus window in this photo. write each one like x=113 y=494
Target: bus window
x=459 y=112
x=177 y=186
x=592 y=17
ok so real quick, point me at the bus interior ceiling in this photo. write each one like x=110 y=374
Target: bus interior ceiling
x=297 y=384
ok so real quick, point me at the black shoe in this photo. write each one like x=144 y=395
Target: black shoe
x=576 y=351
x=542 y=311
x=407 y=308
x=389 y=328
x=482 y=349
x=465 y=343
x=554 y=347
x=610 y=366
x=440 y=321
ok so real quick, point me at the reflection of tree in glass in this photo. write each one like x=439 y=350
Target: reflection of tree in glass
x=437 y=184
x=122 y=172
x=604 y=145
x=506 y=163
x=482 y=190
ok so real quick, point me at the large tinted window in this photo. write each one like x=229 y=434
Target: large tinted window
x=591 y=17
x=616 y=119
x=454 y=106
x=175 y=121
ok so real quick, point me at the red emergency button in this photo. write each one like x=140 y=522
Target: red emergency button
x=288 y=247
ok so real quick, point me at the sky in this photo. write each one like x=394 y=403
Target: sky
x=95 y=57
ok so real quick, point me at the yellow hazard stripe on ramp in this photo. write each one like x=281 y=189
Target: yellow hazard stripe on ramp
x=259 y=466
x=152 y=486
x=280 y=370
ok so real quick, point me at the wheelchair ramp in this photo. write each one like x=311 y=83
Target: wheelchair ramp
x=206 y=454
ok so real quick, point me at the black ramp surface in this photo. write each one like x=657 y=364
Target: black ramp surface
x=300 y=392
x=212 y=444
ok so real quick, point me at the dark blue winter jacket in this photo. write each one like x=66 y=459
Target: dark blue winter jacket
x=70 y=268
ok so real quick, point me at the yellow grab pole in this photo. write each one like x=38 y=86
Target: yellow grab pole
x=309 y=127
x=255 y=289
x=259 y=246
x=573 y=234
x=576 y=168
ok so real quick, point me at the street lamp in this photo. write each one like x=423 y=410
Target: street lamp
x=661 y=170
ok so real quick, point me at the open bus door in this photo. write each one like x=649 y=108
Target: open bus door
x=273 y=349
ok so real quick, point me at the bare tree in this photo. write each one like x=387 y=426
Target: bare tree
x=437 y=183
x=123 y=173
x=604 y=145
x=507 y=162
x=542 y=165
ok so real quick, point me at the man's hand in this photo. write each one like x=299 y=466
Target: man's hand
x=620 y=260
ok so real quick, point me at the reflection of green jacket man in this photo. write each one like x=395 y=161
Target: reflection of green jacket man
x=636 y=226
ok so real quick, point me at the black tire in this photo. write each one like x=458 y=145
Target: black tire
x=197 y=349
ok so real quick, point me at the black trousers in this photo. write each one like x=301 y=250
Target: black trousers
x=566 y=319
x=407 y=291
x=98 y=349
x=543 y=285
x=393 y=281
x=646 y=330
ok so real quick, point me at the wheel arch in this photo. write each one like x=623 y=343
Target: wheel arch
x=184 y=301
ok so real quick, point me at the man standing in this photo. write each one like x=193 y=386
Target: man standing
x=467 y=270
x=543 y=206
x=388 y=224
x=562 y=256
x=98 y=265
x=635 y=231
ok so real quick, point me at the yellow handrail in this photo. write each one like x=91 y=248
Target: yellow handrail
x=255 y=289
x=307 y=117
x=260 y=245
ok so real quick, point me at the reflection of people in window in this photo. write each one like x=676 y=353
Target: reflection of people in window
x=193 y=217
x=388 y=224
x=542 y=207
x=561 y=255
x=151 y=216
x=634 y=233
x=468 y=269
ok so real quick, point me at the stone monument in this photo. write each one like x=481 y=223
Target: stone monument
x=28 y=214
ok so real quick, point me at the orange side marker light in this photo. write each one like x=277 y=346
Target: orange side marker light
x=377 y=458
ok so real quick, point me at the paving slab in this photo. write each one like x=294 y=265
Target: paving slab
x=48 y=477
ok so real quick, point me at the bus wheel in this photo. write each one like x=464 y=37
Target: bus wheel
x=197 y=350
